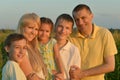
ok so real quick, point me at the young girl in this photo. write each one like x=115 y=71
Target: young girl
x=28 y=26
x=16 y=47
x=48 y=48
x=69 y=53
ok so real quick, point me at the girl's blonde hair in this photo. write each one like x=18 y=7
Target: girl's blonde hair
x=35 y=57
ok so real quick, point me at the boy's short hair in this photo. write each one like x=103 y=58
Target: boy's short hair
x=81 y=7
x=66 y=17
x=13 y=37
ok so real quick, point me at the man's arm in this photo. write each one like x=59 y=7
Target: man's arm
x=107 y=66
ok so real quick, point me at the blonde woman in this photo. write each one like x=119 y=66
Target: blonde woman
x=32 y=64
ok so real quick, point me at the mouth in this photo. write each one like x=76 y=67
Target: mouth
x=20 y=56
x=31 y=38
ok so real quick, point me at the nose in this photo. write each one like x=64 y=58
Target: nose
x=23 y=50
x=80 y=21
x=34 y=31
x=44 y=32
x=63 y=30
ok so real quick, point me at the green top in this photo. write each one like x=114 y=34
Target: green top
x=47 y=51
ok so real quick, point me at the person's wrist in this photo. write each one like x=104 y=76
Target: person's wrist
x=60 y=73
x=29 y=76
x=84 y=74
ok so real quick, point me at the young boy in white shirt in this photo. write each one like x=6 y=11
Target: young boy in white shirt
x=15 y=46
x=69 y=53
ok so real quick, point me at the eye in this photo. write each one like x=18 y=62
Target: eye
x=36 y=29
x=17 y=47
x=25 y=47
x=60 y=26
x=67 y=27
x=47 y=31
x=30 y=27
x=83 y=18
x=76 y=19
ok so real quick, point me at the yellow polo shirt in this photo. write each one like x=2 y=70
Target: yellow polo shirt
x=92 y=49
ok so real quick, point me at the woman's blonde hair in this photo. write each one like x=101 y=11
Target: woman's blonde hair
x=35 y=57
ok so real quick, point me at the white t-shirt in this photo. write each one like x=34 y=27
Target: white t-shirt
x=70 y=56
x=12 y=71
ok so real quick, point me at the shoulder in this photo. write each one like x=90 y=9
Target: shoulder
x=9 y=64
x=102 y=30
x=9 y=67
x=52 y=41
x=72 y=46
x=74 y=51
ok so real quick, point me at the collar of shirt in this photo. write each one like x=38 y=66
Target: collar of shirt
x=66 y=47
x=96 y=28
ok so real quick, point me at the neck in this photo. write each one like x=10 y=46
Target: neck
x=88 y=31
x=44 y=41
x=62 y=43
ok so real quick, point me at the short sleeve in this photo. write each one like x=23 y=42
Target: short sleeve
x=109 y=43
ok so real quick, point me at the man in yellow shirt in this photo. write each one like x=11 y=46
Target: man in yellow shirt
x=96 y=45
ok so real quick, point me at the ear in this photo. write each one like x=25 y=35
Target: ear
x=6 y=48
x=70 y=31
x=92 y=15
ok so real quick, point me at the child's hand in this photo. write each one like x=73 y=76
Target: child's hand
x=75 y=73
x=33 y=76
x=58 y=75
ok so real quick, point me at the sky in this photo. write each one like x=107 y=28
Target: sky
x=106 y=12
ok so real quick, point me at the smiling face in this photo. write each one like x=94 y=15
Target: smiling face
x=44 y=32
x=63 y=29
x=17 y=50
x=30 y=31
x=83 y=19
x=28 y=26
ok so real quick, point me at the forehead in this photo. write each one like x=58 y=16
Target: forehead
x=65 y=23
x=46 y=25
x=31 y=22
x=32 y=25
x=19 y=42
x=61 y=21
x=82 y=12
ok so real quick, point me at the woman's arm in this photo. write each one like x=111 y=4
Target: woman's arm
x=27 y=69
x=26 y=66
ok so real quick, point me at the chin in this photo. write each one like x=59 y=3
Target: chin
x=29 y=40
x=19 y=61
